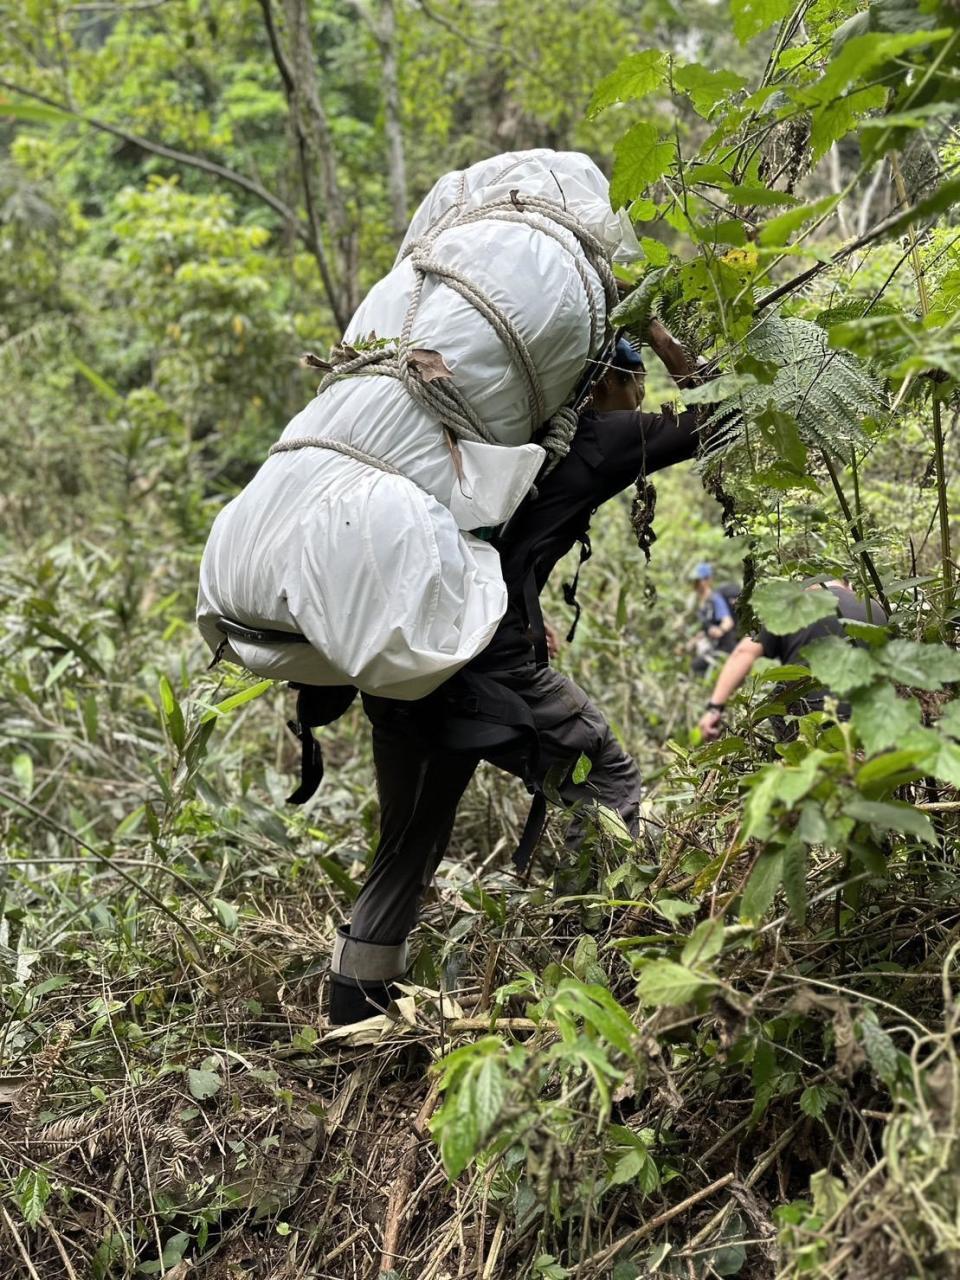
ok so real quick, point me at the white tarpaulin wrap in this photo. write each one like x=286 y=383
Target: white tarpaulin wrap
x=379 y=570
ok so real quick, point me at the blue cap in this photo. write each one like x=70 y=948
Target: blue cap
x=703 y=570
x=627 y=357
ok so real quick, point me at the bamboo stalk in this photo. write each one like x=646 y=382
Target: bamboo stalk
x=943 y=507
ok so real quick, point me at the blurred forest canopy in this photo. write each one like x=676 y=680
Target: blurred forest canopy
x=738 y=1059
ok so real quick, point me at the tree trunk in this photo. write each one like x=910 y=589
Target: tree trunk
x=386 y=36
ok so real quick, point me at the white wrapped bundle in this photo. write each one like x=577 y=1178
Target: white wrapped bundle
x=359 y=539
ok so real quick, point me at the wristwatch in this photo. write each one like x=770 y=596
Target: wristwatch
x=715 y=706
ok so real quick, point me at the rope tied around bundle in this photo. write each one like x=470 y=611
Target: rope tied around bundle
x=435 y=391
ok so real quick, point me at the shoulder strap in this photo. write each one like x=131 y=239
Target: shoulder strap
x=316 y=705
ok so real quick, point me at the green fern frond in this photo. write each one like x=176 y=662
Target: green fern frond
x=827 y=393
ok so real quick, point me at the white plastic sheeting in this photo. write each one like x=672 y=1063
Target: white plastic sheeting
x=380 y=571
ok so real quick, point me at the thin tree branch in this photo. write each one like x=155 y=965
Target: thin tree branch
x=168 y=153
x=314 y=232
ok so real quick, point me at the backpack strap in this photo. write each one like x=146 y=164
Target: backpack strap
x=570 y=588
x=316 y=705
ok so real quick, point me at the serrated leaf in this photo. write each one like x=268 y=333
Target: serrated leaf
x=488 y=1094
x=813 y=1101
x=839 y=664
x=881 y=717
x=664 y=982
x=922 y=666
x=705 y=87
x=783 y=606
x=202 y=1083
x=32 y=1190
x=880 y=1050
x=638 y=75
x=640 y=158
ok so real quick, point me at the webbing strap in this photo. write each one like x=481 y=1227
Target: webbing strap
x=311 y=754
x=534 y=616
x=532 y=831
x=570 y=588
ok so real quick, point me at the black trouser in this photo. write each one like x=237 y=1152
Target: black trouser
x=420 y=790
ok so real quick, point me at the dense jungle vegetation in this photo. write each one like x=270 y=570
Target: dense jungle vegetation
x=736 y=1056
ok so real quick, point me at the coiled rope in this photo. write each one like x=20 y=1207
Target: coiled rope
x=440 y=397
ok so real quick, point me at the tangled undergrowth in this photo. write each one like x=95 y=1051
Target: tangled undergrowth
x=653 y=1075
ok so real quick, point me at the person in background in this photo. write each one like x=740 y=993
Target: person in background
x=788 y=651
x=717 y=625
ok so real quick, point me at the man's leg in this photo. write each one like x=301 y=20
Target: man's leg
x=419 y=792
x=570 y=725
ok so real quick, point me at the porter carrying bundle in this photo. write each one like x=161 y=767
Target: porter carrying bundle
x=355 y=535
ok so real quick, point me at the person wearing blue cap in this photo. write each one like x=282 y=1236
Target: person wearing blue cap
x=717 y=623
x=508 y=706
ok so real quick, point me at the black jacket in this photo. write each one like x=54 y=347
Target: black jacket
x=610 y=452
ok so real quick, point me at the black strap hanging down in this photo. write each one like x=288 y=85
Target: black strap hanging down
x=570 y=588
x=534 y=618
x=316 y=705
x=532 y=831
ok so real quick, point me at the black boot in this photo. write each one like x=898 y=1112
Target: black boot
x=363 y=977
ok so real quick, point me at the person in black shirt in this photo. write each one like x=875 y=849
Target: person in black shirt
x=419 y=779
x=788 y=650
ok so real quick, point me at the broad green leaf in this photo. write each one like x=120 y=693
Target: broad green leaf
x=657 y=254
x=32 y=1190
x=839 y=664
x=777 y=231
x=814 y=1101
x=339 y=876
x=890 y=816
x=921 y=666
x=638 y=75
x=795 y=879
x=835 y=119
x=860 y=56
x=705 y=87
x=488 y=1094
x=784 y=606
x=893 y=764
x=762 y=885
x=750 y=17
x=881 y=717
x=704 y=943
x=581 y=770
x=227 y=914
x=664 y=982
x=203 y=1084
x=880 y=1050
x=949 y=721
x=640 y=158
x=868 y=633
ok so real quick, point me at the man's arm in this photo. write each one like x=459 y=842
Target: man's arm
x=732 y=675
x=677 y=361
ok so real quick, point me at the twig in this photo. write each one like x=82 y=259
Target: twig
x=19 y=1243
x=342 y=1247
x=398 y=1205
x=610 y=1252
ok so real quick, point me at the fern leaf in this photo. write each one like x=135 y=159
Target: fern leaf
x=828 y=393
